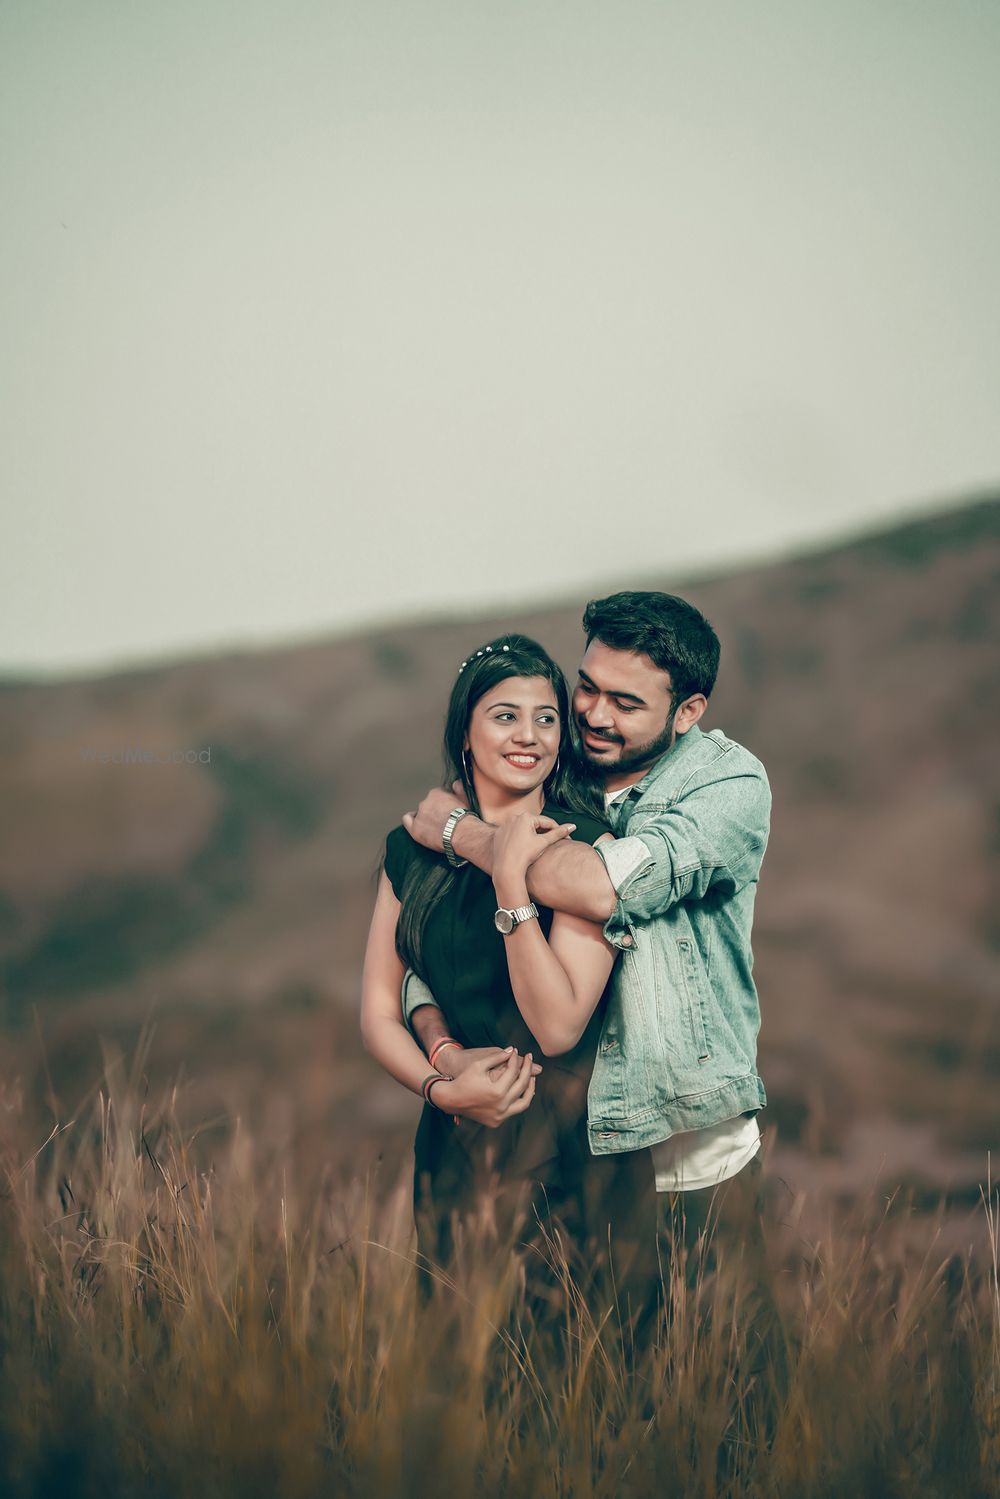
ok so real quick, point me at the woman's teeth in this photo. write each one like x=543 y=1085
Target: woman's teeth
x=524 y=762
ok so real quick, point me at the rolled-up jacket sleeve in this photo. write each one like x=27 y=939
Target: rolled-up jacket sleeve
x=625 y=860
x=414 y=994
x=712 y=838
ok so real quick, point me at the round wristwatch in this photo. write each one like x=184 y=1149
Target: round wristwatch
x=454 y=818
x=505 y=921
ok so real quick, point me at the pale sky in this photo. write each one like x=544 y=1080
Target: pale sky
x=317 y=313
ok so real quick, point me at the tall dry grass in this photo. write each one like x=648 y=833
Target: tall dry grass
x=170 y=1326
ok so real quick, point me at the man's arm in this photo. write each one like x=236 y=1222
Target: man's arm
x=427 y=1023
x=567 y=877
x=711 y=839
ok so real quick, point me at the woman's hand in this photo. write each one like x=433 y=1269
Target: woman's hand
x=453 y=1060
x=520 y=840
x=489 y=1094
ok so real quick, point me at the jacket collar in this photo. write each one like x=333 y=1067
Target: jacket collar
x=681 y=749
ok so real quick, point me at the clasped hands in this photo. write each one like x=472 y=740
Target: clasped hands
x=489 y=1084
x=517 y=842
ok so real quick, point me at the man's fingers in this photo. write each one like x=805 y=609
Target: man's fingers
x=408 y=821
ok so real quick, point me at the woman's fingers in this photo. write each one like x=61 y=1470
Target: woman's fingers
x=544 y=839
x=519 y=1079
x=507 y=1087
x=556 y=833
x=520 y=1104
x=496 y=1067
x=495 y=1072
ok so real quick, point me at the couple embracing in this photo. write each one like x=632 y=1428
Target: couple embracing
x=569 y=927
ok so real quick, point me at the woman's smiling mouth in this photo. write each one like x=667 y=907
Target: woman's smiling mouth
x=522 y=762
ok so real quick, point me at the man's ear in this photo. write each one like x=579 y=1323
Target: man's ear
x=689 y=712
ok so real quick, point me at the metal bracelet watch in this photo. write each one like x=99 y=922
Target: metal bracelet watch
x=505 y=921
x=454 y=818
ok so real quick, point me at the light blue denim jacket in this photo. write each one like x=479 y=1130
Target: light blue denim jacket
x=678 y=1047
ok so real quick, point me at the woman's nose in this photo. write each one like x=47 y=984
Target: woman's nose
x=524 y=733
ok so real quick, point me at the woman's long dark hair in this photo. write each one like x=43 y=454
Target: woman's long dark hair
x=572 y=785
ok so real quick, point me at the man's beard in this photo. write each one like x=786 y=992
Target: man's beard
x=640 y=756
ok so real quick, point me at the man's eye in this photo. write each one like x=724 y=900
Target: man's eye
x=626 y=708
x=584 y=687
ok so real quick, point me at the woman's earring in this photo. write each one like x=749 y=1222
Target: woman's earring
x=555 y=770
x=467 y=765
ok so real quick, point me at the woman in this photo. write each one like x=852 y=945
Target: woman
x=494 y=1122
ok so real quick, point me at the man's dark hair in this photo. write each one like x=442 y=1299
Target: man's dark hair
x=671 y=632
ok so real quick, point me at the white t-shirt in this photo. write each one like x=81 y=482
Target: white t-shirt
x=699 y=1158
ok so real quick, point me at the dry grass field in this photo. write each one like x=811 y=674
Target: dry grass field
x=183 y=1314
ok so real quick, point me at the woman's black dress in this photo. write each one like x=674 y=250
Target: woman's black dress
x=536 y=1168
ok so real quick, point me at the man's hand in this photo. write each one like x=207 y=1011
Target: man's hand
x=426 y=824
x=489 y=1095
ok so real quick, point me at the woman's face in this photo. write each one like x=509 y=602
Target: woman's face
x=513 y=735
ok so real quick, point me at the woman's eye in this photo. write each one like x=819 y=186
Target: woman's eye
x=547 y=719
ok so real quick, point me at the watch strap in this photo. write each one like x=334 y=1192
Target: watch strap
x=515 y=914
x=454 y=818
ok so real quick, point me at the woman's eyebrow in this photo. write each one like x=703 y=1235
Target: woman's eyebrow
x=612 y=691
x=538 y=706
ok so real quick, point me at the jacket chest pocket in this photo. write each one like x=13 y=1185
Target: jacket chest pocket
x=693 y=1002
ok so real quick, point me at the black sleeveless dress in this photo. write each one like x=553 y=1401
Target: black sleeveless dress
x=536 y=1168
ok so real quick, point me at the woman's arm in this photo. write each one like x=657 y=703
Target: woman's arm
x=557 y=983
x=488 y=1096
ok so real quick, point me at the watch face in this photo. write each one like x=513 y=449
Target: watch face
x=504 y=922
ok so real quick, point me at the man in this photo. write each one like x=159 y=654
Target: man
x=676 y=1063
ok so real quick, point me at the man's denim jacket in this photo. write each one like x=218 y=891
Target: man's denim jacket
x=678 y=1047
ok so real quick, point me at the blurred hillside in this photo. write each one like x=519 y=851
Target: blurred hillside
x=225 y=904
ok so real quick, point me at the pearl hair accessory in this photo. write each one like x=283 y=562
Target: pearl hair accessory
x=487 y=650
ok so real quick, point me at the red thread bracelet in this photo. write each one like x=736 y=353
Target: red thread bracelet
x=439 y=1045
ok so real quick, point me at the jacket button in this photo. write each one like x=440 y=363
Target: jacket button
x=627 y=941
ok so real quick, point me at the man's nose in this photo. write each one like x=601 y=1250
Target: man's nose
x=598 y=714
